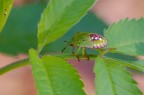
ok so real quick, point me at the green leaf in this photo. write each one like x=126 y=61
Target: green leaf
x=113 y=79
x=137 y=65
x=5 y=8
x=59 y=17
x=54 y=76
x=127 y=36
x=40 y=75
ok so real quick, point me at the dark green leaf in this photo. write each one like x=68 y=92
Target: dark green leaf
x=127 y=36
x=5 y=8
x=59 y=17
x=113 y=79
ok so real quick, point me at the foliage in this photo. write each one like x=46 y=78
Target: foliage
x=5 y=8
x=48 y=72
x=131 y=33
x=118 y=81
x=54 y=76
x=58 y=17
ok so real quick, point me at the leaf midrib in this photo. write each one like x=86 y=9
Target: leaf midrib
x=54 y=25
x=48 y=79
x=112 y=82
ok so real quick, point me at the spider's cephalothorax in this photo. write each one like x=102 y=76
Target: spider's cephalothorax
x=87 y=40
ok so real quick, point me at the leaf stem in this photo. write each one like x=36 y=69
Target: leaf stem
x=24 y=62
x=13 y=66
x=66 y=56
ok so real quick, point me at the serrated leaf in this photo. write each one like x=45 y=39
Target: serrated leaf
x=5 y=8
x=127 y=36
x=59 y=17
x=40 y=75
x=137 y=65
x=63 y=75
x=54 y=76
x=113 y=79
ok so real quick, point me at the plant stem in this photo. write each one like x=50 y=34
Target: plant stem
x=66 y=56
x=24 y=62
x=13 y=66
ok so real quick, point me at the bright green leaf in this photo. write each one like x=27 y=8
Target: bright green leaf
x=127 y=36
x=5 y=8
x=59 y=17
x=63 y=76
x=54 y=76
x=40 y=74
x=137 y=65
x=113 y=79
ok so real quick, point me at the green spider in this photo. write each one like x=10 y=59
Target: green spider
x=86 y=40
